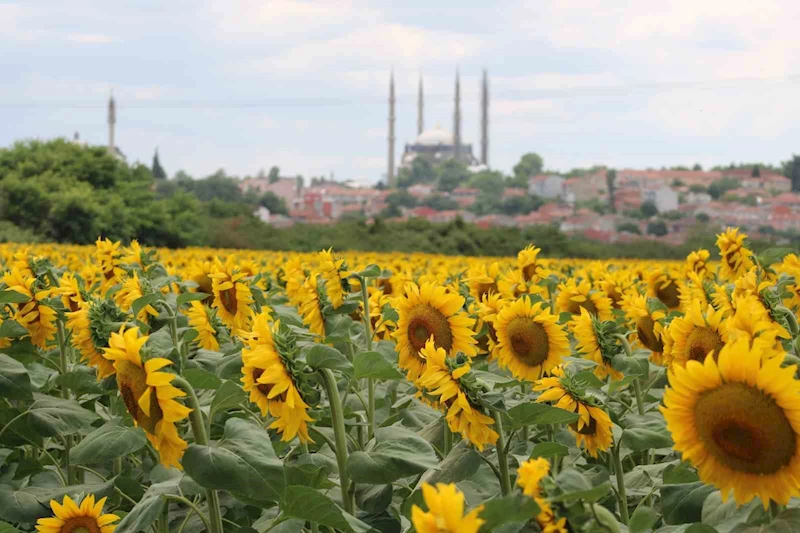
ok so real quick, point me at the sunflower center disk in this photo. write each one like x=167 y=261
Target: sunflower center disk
x=669 y=295
x=132 y=383
x=745 y=429
x=80 y=524
x=647 y=335
x=426 y=321
x=529 y=271
x=529 y=341
x=228 y=297
x=587 y=429
x=485 y=288
x=266 y=388
x=701 y=341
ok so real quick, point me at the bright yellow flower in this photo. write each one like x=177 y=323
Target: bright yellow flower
x=200 y=320
x=737 y=420
x=736 y=259
x=232 y=297
x=573 y=295
x=694 y=335
x=584 y=328
x=445 y=511
x=529 y=475
x=69 y=517
x=330 y=269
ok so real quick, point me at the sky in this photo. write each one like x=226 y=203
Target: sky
x=246 y=85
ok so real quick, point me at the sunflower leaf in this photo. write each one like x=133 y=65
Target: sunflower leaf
x=398 y=453
x=529 y=414
x=144 y=301
x=149 y=508
x=229 y=394
x=516 y=508
x=683 y=503
x=187 y=297
x=50 y=416
x=108 y=442
x=12 y=297
x=320 y=356
x=14 y=381
x=31 y=503
x=11 y=329
x=374 y=365
x=311 y=505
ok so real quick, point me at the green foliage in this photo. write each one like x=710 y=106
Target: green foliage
x=529 y=165
x=158 y=171
x=657 y=228
x=719 y=187
x=439 y=202
x=648 y=209
x=629 y=227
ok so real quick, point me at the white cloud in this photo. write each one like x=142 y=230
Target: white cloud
x=89 y=38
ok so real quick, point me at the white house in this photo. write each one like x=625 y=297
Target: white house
x=546 y=186
x=664 y=198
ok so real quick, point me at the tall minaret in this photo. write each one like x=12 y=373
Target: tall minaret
x=485 y=119
x=112 y=120
x=457 y=119
x=390 y=169
x=420 y=107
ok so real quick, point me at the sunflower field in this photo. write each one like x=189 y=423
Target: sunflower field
x=200 y=390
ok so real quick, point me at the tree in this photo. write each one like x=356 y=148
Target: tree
x=396 y=200
x=719 y=187
x=648 y=209
x=520 y=205
x=756 y=172
x=274 y=203
x=488 y=181
x=702 y=218
x=697 y=167
x=158 y=170
x=274 y=174
x=793 y=172
x=629 y=227
x=529 y=165
x=439 y=202
x=696 y=187
x=420 y=171
x=657 y=228
x=611 y=178
x=451 y=174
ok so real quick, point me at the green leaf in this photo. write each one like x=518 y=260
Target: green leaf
x=108 y=442
x=142 y=302
x=771 y=256
x=199 y=378
x=590 y=495
x=371 y=271
x=702 y=528
x=721 y=514
x=144 y=514
x=398 y=453
x=460 y=464
x=645 y=433
x=8 y=528
x=506 y=510
x=229 y=394
x=788 y=520
x=619 y=384
x=11 y=329
x=529 y=414
x=373 y=498
x=588 y=377
x=374 y=365
x=31 y=503
x=642 y=520
x=311 y=505
x=17 y=433
x=51 y=416
x=190 y=297
x=80 y=380
x=12 y=297
x=243 y=462
x=322 y=356
x=549 y=449
x=683 y=503
x=14 y=381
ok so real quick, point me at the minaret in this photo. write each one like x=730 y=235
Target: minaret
x=485 y=119
x=390 y=169
x=420 y=107
x=457 y=120
x=112 y=120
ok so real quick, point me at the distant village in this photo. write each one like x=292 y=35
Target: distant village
x=680 y=199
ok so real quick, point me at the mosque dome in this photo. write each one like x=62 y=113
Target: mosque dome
x=435 y=137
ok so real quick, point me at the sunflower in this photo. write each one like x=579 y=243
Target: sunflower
x=133 y=254
x=735 y=258
x=664 y=287
x=513 y=284
x=70 y=290
x=722 y=298
x=34 y=315
x=530 y=341
x=331 y=271
x=148 y=395
x=270 y=384
x=647 y=318
x=201 y=319
x=692 y=290
x=737 y=420
x=529 y=475
x=527 y=262
x=293 y=277
x=791 y=266
x=694 y=335
x=108 y=257
x=592 y=339
x=80 y=324
x=311 y=306
x=487 y=312
x=393 y=285
x=573 y=295
x=697 y=263
x=426 y=311
x=752 y=321
x=614 y=284
x=232 y=296
x=445 y=511
x=382 y=327
x=442 y=380
x=69 y=517
x=593 y=427
x=131 y=291
x=482 y=281
x=200 y=272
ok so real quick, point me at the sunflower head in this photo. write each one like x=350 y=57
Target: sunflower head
x=445 y=511
x=695 y=335
x=482 y=280
x=574 y=295
x=662 y=285
x=530 y=473
x=697 y=263
x=737 y=420
x=69 y=517
x=334 y=271
x=527 y=262
x=598 y=342
x=735 y=258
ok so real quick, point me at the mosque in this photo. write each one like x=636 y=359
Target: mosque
x=437 y=144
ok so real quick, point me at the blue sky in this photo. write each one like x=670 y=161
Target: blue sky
x=303 y=85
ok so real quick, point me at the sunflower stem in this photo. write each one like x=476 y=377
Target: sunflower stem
x=447 y=442
x=623 y=498
x=370 y=381
x=793 y=327
x=62 y=352
x=502 y=458
x=340 y=436
x=637 y=384
x=201 y=438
